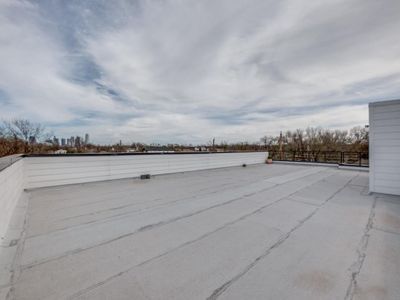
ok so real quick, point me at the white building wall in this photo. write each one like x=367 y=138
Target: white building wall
x=384 y=147
x=59 y=170
x=11 y=188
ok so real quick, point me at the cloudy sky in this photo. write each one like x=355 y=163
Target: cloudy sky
x=188 y=70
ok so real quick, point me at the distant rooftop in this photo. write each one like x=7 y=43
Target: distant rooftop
x=261 y=232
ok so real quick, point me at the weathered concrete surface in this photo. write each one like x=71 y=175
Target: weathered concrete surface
x=379 y=277
x=261 y=232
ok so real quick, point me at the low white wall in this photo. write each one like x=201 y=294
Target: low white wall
x=44 y=171
x=59 y=170
x=11 y=188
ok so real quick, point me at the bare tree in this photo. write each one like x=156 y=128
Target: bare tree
x=2 y=131
x=268 y=141
x=315 y=140
x=264 y=140
x=359 y=135
x=24 y=130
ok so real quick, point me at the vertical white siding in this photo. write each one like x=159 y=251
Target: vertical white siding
x=384 y=147
x=59 y=170
x=11 y=187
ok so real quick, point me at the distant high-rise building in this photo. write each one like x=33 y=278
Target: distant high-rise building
x=87 y=138
x=63 y=142
x=78 y=141
x=72 y=141
x=56 y=141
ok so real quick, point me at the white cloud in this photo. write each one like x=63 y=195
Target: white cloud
x=185 y=71
x=34 y=69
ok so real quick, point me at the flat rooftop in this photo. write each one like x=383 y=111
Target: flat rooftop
x=260 y=232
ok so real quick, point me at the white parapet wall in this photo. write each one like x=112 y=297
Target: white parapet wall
x=18 y=173
x=46 y=171
x=11 y=188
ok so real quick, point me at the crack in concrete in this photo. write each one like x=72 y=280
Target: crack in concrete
x=119 y=191
x=90 y=288
x=209 y=191
x=105 y=197
x=303 y=202
x=86 y=290
x=125 y=214
x=385 y=230
x=150 y=226
x=356 y=267
x=144 y=228
x=220 y=290
x=16 y=270
x=390 y=200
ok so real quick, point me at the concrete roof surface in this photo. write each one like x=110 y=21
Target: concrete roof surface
x=261 y=232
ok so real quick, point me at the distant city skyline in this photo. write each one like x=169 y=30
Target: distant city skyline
x=73 y=141
x=189 y=71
